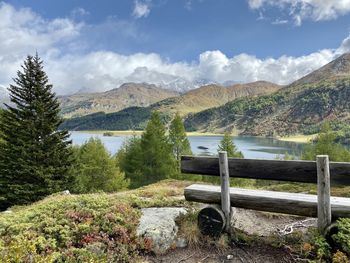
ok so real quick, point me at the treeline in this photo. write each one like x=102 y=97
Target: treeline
x=133 y=118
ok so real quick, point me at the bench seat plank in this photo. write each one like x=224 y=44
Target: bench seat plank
x=270 y=201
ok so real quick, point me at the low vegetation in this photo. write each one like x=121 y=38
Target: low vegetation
x=82 y=228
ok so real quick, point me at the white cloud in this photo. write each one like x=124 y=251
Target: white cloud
x=79 y=12
x=141 y=9
x=299 y=10
x=279 y=22
x=23 y=32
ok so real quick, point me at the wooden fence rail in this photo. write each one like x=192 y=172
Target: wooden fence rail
x=320 y=171
x=292 y=171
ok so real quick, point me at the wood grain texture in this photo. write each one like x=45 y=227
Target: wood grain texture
x=225 y=188
x=279 y=202
x=324 y=216
x=293 y=171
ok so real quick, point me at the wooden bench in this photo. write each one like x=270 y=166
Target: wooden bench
x=321 y=171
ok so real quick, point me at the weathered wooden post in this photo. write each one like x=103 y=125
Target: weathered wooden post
x=225 y=188
x=324 y=213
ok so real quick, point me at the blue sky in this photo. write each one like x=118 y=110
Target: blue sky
x=107 y=43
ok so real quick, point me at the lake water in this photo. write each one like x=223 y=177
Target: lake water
x=251 y=147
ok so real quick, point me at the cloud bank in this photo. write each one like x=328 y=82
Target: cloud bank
x=299 y=10
x=23 y=32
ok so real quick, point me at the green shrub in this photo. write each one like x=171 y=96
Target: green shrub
x=85 y=228
x=343 y=236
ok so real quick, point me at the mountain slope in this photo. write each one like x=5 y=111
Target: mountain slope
x=133 y=118
x=299 y=107
x=193 y=101
x=127 y=95
x=338 y=68
x=213 y=95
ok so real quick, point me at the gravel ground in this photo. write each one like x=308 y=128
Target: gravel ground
x=253 y=223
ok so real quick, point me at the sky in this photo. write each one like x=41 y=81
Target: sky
x=91 y=45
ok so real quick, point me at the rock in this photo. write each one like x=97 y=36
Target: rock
x=181 y=242
x=158 y=225
x=65 y=192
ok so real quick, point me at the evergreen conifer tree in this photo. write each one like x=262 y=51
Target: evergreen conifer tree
x=95 y=169
x=178 y=139
x=158 y=161
x=129 y=160
x=325 y=143
x=35 y=156
x=226 y=144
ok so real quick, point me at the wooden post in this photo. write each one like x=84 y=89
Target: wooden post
x=324 y=213
x=225 y=188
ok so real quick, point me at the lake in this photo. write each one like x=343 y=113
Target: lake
x=251 y=147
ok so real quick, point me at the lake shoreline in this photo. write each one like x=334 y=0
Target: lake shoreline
x=298 y=138
x=252 y=147
x=137 y=133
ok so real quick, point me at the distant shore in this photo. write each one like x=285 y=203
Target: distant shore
x=131 y=132
x=300 y=138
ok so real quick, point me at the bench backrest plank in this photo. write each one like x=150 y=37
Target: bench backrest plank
x=280 y=170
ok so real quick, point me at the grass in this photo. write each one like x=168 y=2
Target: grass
x=298 y=138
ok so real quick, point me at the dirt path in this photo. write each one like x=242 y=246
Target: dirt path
x=253 y=223
x=263 y=254
x=266 y=224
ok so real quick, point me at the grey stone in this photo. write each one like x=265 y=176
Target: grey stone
x=181 y=242
x=158 y=225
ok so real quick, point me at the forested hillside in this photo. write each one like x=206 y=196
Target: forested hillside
x=127 y=95
x=298 y=108
x=133 y=118
x=193 y=101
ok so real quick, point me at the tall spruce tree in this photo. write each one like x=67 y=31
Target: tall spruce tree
x=158 y=161
x=178 y=139
x=35 y=157
x=129 y=160
x=96 y=170
x=226 y=144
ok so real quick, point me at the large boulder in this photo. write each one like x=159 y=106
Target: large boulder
x=159 y=227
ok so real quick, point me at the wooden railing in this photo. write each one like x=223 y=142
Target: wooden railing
x=279 y=170
x=320 y=171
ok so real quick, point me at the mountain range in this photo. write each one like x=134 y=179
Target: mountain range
x=258 y=108
x=193 y=101
x=300 y=107
x=127 y=95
